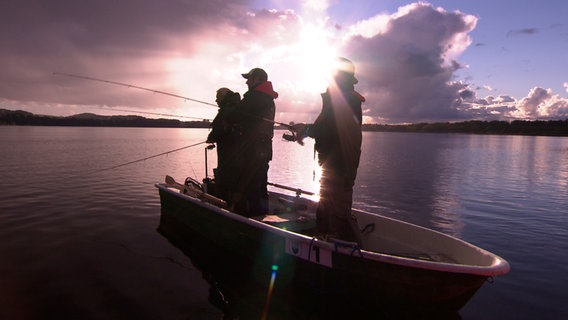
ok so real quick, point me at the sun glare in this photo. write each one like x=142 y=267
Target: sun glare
x=315 y=57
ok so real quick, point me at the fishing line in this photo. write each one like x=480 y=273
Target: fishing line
x=144 y=159
x=192 y=168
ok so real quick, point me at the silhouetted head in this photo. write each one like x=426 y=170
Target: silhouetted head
x=221 y=94
x=345 y=71
x=255 y=76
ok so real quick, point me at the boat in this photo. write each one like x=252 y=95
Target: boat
x=396 y=264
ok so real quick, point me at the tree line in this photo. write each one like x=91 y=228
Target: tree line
x=516 y=127
x=24 y=118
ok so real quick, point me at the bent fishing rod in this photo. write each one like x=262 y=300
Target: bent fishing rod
x=154 y=113
x=159 y=92
x=131 y=86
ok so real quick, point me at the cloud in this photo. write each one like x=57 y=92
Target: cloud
x=130 y=41
x=530 y=105
x=566 y=86
x=189 y=48
x=541 y=103
x=406 y=61
x=406 y=68
x=524 y=31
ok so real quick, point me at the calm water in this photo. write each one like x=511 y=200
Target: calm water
x=85 y=246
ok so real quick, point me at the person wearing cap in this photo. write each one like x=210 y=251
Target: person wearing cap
x=225 y=135
x=338 y=137
x=255 y=118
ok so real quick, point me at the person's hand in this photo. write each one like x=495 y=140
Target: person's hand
x=300 y=130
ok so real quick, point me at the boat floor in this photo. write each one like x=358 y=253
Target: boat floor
x=291 y=213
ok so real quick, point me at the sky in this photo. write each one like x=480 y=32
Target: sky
x=437 y=61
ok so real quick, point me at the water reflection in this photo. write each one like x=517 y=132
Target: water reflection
x=510 y=192
x=410 y=177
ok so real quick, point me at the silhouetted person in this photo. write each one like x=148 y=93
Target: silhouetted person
x=226 y=136
x=337 y=134
x=255 y=118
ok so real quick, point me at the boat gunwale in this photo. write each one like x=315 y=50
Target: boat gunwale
x=499 y=266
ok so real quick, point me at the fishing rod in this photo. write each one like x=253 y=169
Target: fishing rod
x=131 y=86
x=159 y=92
x=153 y=113
x=146 y=158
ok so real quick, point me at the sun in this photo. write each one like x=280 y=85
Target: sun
x=315 y=57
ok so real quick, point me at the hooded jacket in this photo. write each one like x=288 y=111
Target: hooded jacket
x=221 y=129
x=255 y=116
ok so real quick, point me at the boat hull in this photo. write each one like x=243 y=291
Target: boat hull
x=255 y=250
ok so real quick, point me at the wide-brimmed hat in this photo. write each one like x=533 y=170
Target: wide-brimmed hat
x=256 y=73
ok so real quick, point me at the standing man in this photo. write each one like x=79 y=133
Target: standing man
x=255 y=117
x=337 y=134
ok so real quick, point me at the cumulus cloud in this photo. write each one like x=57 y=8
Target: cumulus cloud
x=406 y=68
x=541 y=103
x=408 y=63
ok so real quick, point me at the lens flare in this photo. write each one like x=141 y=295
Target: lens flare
x=270 y=288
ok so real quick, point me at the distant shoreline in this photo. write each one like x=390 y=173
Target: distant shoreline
x=557 y=128
x=24 y=118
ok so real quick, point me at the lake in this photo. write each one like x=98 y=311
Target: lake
x=78 y=240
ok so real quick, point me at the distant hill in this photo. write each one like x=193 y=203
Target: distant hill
x=90 y=116
x=24 y=118
x=517 y=127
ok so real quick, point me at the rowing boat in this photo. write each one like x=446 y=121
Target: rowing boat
x=396 y=263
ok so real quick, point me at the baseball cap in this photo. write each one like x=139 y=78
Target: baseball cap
x=256 y=73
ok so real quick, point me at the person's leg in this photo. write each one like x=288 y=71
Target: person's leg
x=264 y=201
x=342 y=222
x=326 y=202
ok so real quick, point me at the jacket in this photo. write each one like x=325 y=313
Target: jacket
x=337 y=130
x=255 y=117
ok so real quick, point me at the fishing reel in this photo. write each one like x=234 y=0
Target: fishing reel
x=289 y=136
x=294 y=136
